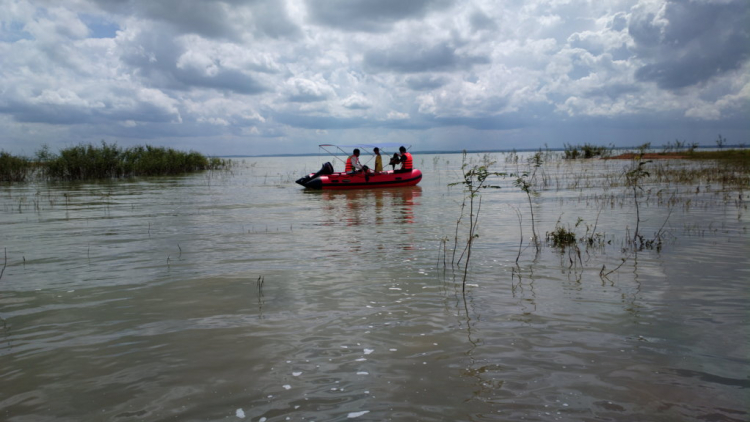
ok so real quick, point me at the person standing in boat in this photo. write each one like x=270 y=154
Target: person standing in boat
x=352 y=163
x=407 y=162
x=378 y=160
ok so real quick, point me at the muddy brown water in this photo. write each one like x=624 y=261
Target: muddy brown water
x=241 y=296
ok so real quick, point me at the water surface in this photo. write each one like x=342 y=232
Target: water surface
x=241 y=296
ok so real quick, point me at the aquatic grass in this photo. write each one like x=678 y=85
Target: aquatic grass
x=105 y=161
x=739 y=157
x=13 y=168
x=689 y=180
x=475 y=179
x=526 y=181
x=561 y=237
x=108 y=161
x=634 y=176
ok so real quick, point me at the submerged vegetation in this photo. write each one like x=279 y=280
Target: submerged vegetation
x=638 y=181
x=105 y=161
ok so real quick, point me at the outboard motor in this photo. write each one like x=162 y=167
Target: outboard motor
x=325 y=170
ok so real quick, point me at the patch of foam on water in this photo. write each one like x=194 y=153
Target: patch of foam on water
x=287 y=387
x=363 y=373
x=296 y=374
x=368 y=351
x=393 y=288
x=240 y=413
x=352 y=415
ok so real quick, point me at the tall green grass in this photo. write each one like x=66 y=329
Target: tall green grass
x=14 y=169
x=106 y=161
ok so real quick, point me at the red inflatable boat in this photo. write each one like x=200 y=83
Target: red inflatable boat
x=386 y=179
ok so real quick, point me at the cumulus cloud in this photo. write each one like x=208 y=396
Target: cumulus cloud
x=356 y=102
x=306 y=90
x=252 y=71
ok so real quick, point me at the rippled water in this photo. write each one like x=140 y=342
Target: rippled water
x=240 y=296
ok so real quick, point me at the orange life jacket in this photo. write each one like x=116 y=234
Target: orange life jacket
x=349 y=164
x=408 y=164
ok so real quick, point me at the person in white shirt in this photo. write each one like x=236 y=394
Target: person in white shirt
x=352 y=163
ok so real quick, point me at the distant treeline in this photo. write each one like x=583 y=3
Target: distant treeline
x=105 y=161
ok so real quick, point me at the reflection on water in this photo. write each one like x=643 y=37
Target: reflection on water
x=140 y=300
x=375 y=206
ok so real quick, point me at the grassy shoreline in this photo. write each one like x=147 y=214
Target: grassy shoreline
x=105 y=161
x=735 y=155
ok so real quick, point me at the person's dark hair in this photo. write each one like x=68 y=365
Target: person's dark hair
x=402 y=149
x=376 y=149
x=356 y=151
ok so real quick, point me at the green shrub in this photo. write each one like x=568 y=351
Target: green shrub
x=585 y=151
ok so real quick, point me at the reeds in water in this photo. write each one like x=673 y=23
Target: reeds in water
x=105 y=161
x=14 y=169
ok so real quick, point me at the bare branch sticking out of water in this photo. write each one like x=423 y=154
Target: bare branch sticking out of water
x=444 y=247
x=5 y=264
x=261 y=280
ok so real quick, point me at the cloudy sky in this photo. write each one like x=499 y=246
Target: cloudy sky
x=282 y=76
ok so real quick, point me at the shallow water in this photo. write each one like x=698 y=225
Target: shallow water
x=241 y=296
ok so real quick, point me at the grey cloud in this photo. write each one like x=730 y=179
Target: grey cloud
x=212 y=19
x=594 y=47
x=612 y=91
x=272 y=20
x=46 y=113
x=503 y=122
x=105 y=112
x=413 y=58
x=368 y=15
x=700 y=41
x=320 y=122
x=153 y=56
x=425 y=82
x=619 y=22
x=229 y=79
x=307 y=97
x=480 y=21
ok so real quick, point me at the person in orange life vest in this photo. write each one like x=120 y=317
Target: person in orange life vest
x=407 y=162
x=352 y=163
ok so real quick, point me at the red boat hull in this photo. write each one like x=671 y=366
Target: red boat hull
x=340 y=181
